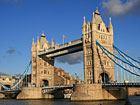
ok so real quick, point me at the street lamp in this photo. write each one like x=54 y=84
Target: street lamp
x=127 y=100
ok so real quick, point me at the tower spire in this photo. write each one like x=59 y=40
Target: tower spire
x=97 y=12
x=93 y=23
x=84 y=23
x=52 y=44
x=110 y=27
x=43 y=35
x=93 y=19
x=33 y=45
x=33 y=40
x=38 y=43
x=37 y=40
x=110 y=23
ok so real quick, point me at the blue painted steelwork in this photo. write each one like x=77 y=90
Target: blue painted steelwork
x=105 y=51
x=121 y=85
x=120 y=52
x=115 y=55
x=125 y=54
x=19 y=81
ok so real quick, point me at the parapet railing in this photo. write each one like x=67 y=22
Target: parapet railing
x=120 y=85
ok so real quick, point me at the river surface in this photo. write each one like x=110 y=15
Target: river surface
x=133 y=100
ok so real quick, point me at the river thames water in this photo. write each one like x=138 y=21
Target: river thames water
x=133 y=100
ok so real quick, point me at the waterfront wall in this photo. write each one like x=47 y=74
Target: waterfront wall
x=96 y=92
x=33 y=93
x=87 y=92
x=114 y=93
x=2 y=96
x=132 y=91
x=83 y=92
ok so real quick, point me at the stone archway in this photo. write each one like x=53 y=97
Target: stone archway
x=104 y=78
x=44 y=83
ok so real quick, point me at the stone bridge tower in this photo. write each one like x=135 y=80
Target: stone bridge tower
x=42 y=67
x=98 y=68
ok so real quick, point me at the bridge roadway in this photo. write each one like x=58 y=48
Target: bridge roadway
x=10 y=94
x=10 y=91
x=51 y=90
x=121 y=85
x=67 y=48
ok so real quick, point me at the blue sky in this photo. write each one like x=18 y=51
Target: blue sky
x=22 y=20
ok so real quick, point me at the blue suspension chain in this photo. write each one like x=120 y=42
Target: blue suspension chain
x=19 y=81
x=117 y=57
x=125 y=54
x=127 y=59
x=101 y=47
x=22 y=77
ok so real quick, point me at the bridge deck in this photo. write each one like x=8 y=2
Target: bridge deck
x=54 y=88
x=121 y=85
x=63 y=49
x=58 y=87
x=11 y=91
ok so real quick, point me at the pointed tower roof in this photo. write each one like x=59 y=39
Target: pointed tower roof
x=43 y=35
x=98 y=19
x=93 y=19
x=37 y=39
x=84 y=23
x=33 y=44
x=52 y=44
x=110 y=23
x=43 y=40
x=33 y=41
x=97 y=12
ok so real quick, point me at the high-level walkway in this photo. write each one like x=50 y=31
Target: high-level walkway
x=70 y=47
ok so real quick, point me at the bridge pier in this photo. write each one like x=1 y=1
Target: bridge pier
x=2 y=96
x=36 y=93
x=58 y=94
x=33 y=93
x=85 y=92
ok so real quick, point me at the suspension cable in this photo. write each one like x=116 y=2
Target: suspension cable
x=102 y=48
x=125 y=54
x=19 y=81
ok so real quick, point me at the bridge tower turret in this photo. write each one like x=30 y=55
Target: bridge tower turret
x=42 y=67
x=110 y=29
x=97 y=67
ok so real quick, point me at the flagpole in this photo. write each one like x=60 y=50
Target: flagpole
x=63 y=38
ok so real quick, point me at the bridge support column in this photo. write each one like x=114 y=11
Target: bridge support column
x=58 y=94
x=85 y=92
x=33 y=93
x=2 y=96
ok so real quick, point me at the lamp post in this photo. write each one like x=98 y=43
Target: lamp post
x=127 y=100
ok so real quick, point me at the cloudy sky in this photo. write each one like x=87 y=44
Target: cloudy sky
x=22 y=20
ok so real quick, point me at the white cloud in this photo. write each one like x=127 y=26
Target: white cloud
x=74 y=58
x=117 y=7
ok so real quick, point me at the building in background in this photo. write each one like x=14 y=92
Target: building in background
x=8 y=81
x=63 y=78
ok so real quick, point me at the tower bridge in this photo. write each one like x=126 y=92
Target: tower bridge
x=99 y=65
